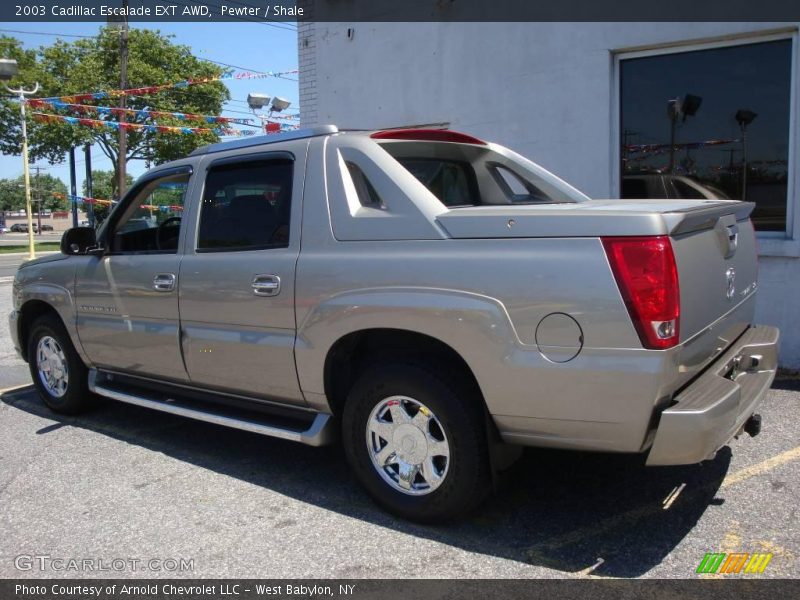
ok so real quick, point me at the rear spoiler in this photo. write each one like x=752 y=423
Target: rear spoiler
x=705 y=217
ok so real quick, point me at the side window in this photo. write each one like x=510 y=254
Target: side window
x=516 y=188
x=151 y=223
x=246 y=206
x=367 y=195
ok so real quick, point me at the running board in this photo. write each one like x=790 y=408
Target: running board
x=318 y=433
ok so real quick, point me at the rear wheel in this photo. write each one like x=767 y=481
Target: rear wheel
x=58 y=372
x=417 y=442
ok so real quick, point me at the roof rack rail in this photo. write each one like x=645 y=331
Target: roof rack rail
x=267 y=139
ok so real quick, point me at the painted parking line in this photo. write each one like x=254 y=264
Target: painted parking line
x=15 y=388
x=632 y=516
x=762 y=467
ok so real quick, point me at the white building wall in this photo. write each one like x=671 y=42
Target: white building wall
x=547 y=90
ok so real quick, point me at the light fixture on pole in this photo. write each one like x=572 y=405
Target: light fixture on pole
x=274 y=104
x=686 y=106
x=279 y=104
x=744 y=117
x=256 y=100
x=8 y=69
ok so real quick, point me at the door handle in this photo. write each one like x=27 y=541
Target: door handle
x=164 y=282
x=266 y=285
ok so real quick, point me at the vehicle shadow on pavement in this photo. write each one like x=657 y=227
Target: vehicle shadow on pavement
x=562 y=510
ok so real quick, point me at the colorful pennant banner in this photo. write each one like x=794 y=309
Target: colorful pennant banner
x=87 y=200
x=153 y=89
x=154 y=128
x=141 y=114
x=690 y=145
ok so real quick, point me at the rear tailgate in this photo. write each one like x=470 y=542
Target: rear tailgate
x=716 y=258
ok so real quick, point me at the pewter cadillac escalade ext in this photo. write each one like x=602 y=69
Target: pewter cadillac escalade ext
x=432 y=298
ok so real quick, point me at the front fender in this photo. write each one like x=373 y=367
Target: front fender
x=56 y=291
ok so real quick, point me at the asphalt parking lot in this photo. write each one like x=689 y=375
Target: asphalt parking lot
x=128 y=483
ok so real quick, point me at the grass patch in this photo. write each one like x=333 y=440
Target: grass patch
x=40 y=247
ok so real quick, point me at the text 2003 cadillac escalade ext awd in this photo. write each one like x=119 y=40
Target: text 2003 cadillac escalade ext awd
x=434 y=297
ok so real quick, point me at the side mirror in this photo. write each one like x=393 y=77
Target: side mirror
x=79 y=240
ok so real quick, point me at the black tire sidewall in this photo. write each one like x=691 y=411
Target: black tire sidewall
x=77 y=397
x=468 y=479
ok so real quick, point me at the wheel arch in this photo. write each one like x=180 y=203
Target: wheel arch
x=29 y=312
x=351 y=353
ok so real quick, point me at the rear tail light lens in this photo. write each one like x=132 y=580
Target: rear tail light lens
x=645 y=271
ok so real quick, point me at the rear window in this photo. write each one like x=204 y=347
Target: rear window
x=452 y=182
x=472 y=175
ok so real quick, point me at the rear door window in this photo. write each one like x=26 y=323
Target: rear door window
x=246 y=206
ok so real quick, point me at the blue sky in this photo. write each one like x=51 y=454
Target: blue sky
x=253 y=46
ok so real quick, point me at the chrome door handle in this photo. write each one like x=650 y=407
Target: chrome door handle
x=164 y=282
x=266 y=285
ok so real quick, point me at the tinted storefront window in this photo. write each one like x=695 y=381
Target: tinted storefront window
x=709 y=123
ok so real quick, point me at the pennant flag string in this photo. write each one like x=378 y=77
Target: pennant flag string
x=154 y=128
x=87 y=200
x=143 y=114
x=273 y=116
x=152 y=89
x=689 y=145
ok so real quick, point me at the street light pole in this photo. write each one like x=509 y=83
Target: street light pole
x=21 y=93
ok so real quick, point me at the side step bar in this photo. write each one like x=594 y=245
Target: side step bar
x=319 y=433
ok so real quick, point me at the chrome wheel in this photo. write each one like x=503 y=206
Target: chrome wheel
x=52 y=366
x=407 y=445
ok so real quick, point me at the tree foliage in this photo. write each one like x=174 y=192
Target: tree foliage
x=92 y=64
x=103 y=187
x=12 y=192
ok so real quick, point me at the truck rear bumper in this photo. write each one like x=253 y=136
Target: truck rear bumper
x=715 y=406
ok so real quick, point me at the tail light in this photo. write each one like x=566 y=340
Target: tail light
x=645 y=271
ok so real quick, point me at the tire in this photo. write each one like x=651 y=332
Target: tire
x=68 y=397
x=451 y=413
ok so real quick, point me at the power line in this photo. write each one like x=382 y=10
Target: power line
x=256 y=71
x=72 y=35
x=276 y=25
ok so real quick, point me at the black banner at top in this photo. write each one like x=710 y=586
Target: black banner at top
x=399 y=10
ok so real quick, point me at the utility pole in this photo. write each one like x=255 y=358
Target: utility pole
x=73 y=186
x=38 y=198
x=87 y=153
x=123 y=84
x=21 y=93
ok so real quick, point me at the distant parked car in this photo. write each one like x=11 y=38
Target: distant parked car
x=23 y=228
x=668 y=187
x=4 y=229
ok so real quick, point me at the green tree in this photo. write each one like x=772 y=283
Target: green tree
x=43 y=187
x=103 y=187
x=92 y=64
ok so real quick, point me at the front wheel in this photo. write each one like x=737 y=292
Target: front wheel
x=417 y=442
x=58 y=372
